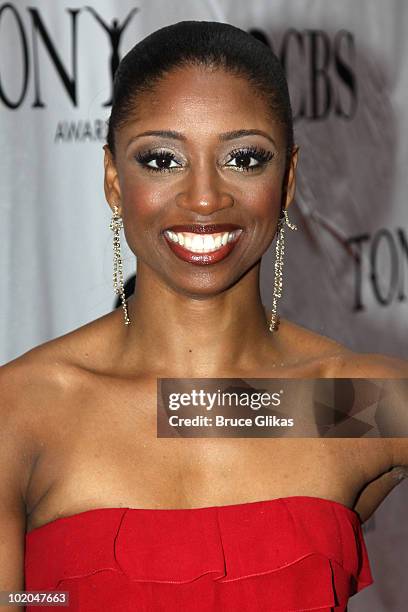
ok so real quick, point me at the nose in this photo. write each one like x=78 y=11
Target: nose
x=204 y=193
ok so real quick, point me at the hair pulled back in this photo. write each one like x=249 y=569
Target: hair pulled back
x=209 y=44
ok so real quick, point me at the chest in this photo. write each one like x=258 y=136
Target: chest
x=103 y=451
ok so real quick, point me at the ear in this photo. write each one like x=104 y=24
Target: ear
x=111 y=181
x=291 y=180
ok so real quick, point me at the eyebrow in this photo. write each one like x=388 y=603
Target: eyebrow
x=222 y=137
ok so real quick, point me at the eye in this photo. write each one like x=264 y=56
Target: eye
x=161 y=159
x=250 y=158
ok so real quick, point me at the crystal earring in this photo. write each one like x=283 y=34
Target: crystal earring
x=116 y=225
x=278 y=280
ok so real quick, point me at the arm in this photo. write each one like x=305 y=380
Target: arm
x=14 y=475
x=128 y=18
x=392 y=415
x=376 y=491
x=98 y=19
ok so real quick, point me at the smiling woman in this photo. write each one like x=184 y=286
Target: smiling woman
x=169 y=143
x=200 y=171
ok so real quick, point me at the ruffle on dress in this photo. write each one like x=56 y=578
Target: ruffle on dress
x=288 y=554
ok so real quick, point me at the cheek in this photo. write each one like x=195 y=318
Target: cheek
x=141 y=200
x=135 y=192
x=142 y=208
x=263 y=201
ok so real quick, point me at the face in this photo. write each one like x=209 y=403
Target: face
x=204 y=172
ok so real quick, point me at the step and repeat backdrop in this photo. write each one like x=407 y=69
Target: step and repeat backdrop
x=346 y=268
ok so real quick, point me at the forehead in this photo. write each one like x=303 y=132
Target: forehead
x=203 y=100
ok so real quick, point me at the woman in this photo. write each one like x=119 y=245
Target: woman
x=200 y=138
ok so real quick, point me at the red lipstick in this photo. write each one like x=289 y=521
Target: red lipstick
x=213 y=254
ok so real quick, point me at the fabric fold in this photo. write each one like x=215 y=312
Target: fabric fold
x=289 y=554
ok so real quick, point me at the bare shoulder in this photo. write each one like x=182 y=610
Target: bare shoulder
x=60 y=358
x=340 y=361
x=304 y=345
x=370 y=365
x=393 y=410
x=33 y=375
x=33 y=384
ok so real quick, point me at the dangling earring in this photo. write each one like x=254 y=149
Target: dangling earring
x=279 y=253
x=116 y=225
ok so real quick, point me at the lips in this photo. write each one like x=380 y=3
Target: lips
x=202 y=258
x=196 y=228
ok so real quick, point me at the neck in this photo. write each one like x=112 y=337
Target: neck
x=179 y=335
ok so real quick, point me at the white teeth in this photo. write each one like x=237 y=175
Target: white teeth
x=209 y=243
x=202 y=243
x=197 y=243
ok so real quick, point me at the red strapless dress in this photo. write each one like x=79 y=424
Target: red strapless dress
x=287 y=554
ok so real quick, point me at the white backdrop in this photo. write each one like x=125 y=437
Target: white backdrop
x=346 y=267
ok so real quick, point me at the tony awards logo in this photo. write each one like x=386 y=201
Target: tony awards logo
x=114 y=32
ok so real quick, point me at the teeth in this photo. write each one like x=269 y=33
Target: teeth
x=197 y=243
x=209 y=243
x=202 y=243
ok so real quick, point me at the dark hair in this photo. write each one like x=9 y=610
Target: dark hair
x=209 y=44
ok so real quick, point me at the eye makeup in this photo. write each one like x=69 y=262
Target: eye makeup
x=163 y=157
x=259 y=154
